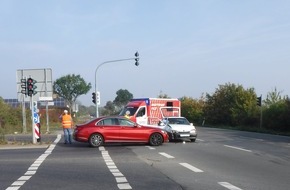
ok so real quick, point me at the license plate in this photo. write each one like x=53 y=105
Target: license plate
x=184 y=135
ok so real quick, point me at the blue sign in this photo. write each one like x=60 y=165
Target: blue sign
x=35 y=117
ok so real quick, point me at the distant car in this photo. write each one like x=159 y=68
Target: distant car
x=179 y=128
x=119 y=129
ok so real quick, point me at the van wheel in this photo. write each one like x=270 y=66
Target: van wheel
x=156 y=139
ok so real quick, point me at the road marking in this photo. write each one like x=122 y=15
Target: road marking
x=166 y=155
x=151 y=148
x=190 y=167
x=229 y=186
x=34 y=167
x=122 y=182
x=124 y=186
x=238 y=148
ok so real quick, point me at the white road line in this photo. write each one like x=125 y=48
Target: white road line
x=124 y=186
x=13 y=188
x=229 y=186
x=122 y=182
x=190 y=167
x=34 y=167
x=24 y=178
x=238 y=148
x=151 y=148
x=166 y=155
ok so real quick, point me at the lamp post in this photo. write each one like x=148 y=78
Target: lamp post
x=136 y=58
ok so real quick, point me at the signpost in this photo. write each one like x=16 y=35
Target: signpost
x=42 y=79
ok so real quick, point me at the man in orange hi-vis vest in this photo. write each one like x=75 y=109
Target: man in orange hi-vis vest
x=67 y=127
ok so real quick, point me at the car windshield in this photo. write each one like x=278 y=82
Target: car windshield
x=179 y=121
x=132 y=111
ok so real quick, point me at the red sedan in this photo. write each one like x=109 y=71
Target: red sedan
x=117 y=129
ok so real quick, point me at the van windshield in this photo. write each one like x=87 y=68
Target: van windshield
x=132 y=110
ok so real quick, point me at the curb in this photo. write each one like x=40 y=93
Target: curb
x=9 y=147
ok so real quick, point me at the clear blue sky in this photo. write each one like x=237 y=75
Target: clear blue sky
x=186 y=47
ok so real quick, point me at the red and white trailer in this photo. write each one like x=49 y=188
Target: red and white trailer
x=149 y=111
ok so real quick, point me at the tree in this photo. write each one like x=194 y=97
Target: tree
x=274 y=97
x=162 y=95
x=231 y=105
x=109 y=109
x=10 y=118
x=276 y=116
x=192 y=109
x=70 y=87
x=123 y=97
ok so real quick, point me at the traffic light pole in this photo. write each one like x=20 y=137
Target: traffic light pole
x=23 y=116
x=28 y=89
x=136 y=58
x=32 y=120
x=261 y=112
x=261 y=117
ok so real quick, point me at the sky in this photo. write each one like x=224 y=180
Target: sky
x=186 y=48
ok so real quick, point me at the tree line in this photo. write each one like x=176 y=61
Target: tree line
x=231 y=105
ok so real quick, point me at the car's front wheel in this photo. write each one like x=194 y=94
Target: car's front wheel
x=156 y=139
x=96 y=140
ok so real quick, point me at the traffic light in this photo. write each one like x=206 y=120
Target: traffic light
x=259 y=101
x=98 y=98
x=23 y=86
x=94 y=97
x=137 y=58
x=31 y=87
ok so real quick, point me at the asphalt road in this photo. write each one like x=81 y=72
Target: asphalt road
x=219 y=160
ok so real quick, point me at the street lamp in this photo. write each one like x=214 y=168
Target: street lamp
x=136 y=58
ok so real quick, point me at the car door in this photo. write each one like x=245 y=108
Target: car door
x=141 y=116
x=129 y=132
x=109 y=128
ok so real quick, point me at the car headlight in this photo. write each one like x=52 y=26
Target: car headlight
x=173 y=131
x=192 y=131
x=164 y=132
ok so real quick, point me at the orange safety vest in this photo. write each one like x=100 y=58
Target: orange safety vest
x=66 y=121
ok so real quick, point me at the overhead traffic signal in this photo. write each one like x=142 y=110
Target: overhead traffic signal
x=137 y=58
x=259 y=101
x=23 y=86
x=94 y=97
x=31 y=87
